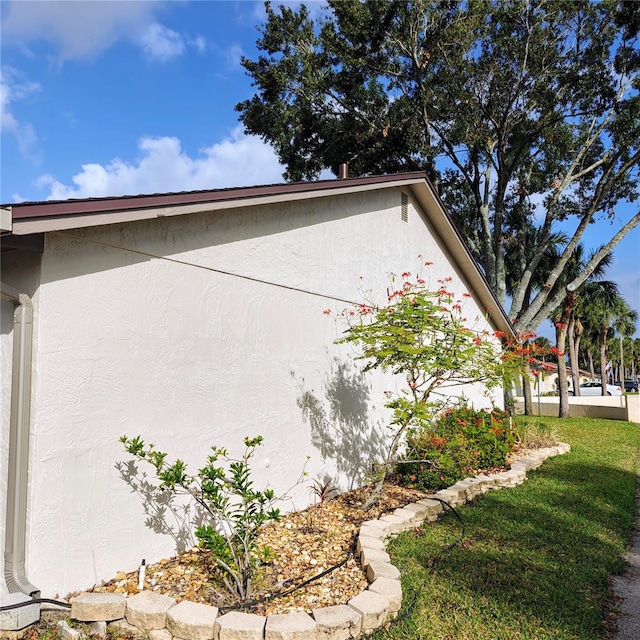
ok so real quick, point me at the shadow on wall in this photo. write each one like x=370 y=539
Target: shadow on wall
x=165 y=514
x=340 y=423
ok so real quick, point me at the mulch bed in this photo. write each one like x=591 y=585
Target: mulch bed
x=305 y=544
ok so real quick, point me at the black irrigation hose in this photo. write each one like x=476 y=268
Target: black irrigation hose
x=304 y=583
x=244 y=605
x=26 y=603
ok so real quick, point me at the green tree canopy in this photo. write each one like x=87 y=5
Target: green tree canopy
x=524 y=114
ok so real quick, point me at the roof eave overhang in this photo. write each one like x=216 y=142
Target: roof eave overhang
x=39 y=217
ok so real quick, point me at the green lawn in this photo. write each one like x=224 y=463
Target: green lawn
x=535 y=561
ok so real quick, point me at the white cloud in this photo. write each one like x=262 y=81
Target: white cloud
x=164 y=166
x=199 y=43
x=162 y=43
x=80 y=29
x=234 y=56
x=13 y=88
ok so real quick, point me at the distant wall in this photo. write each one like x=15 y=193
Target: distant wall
x=610 y=407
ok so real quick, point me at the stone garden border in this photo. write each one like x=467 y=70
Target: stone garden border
x=159 y=617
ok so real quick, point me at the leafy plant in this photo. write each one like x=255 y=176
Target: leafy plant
x=235 y=510
x=323 y=490
x=460 y=441
x=423 y=336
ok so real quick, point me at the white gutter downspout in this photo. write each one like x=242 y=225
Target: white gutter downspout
x=20 y=426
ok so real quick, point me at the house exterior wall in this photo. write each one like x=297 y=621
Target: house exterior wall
x=183 y=351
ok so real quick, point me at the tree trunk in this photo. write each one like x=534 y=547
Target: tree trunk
x=508 y=399
x=576 y=391
x=591 y=369
x=604 y=330
x=563 y=387
x=561 y=336
x=528 y=399
x=573 y=356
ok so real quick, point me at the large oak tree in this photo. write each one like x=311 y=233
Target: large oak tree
x=524 y=114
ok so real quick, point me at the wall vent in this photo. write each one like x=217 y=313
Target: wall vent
x=404 y=207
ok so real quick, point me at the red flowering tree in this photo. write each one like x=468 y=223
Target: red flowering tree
x=423 y=336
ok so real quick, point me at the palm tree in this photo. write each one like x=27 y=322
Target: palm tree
x=592 y=293
x=625 y=356
x=624 y=324
x=613 y=314
x=589 y=341
x=564 y=317
x=635 y=358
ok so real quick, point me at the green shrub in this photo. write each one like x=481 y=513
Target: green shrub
x=421 y=335
x=459 y=442
x=233 y=509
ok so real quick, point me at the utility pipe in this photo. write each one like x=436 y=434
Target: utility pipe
x=20 y=426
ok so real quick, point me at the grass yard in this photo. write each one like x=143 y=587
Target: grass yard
x=534 y=562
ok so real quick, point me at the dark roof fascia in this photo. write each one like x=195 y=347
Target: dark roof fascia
x=55 y=208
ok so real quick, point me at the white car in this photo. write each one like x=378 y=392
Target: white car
x=595 y=389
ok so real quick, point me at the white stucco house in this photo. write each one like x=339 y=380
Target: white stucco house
x=193 y=319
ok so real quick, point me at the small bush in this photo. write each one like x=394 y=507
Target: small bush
x=233 y=509
x=459 y=442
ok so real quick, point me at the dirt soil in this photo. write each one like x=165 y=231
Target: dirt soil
x=304 y=543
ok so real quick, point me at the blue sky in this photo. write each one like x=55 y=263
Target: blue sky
x=107 y=98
